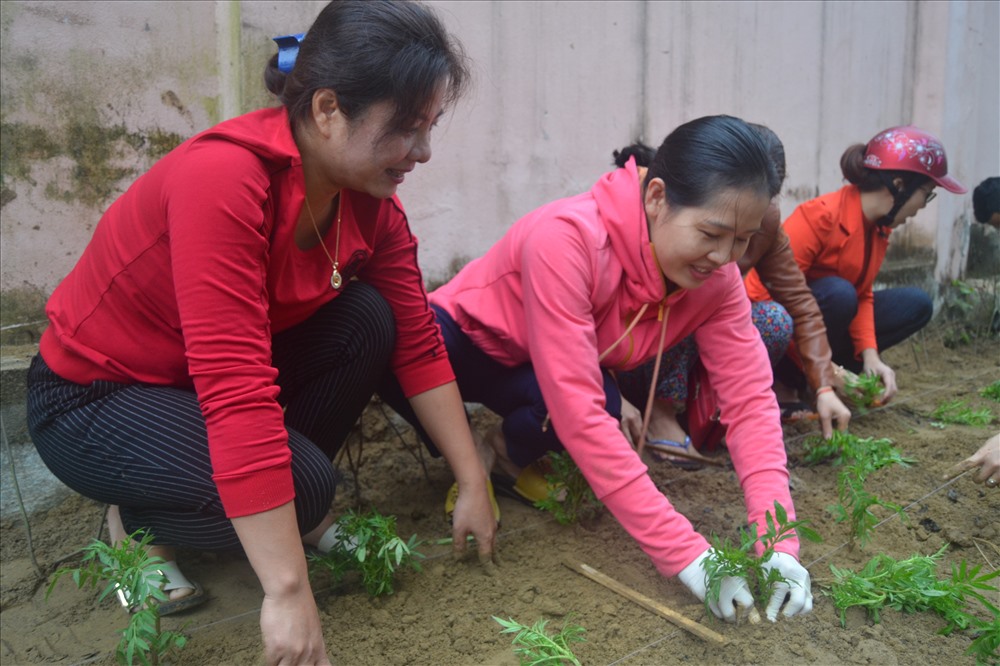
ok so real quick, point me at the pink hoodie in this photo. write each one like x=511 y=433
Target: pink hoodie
x=560 y=288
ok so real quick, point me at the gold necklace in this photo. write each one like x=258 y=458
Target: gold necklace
x=336 y=280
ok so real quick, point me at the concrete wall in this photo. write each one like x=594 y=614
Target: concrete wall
x=92 y=92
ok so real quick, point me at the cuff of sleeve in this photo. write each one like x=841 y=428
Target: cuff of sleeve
x=415 y=378
x=666 y=536
x=256 y=492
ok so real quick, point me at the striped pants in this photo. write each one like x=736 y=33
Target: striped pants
x=145 y=448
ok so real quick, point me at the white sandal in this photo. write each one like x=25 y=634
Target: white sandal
x=175 y=580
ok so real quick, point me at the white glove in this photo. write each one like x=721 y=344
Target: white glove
x=797 y=589
x=732 y=593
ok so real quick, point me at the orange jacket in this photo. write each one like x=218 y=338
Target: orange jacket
x=829 y=237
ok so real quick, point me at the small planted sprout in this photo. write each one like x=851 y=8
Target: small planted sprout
x=570 y=498
x=957 y=412
x=992 y=391
x=534 y=646
x=912 y=586
x=128 y=570
x=860 y=457
x=742 y=562
x=369 y=545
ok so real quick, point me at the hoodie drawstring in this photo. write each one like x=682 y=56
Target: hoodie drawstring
x=648 y=413
x=663 y=316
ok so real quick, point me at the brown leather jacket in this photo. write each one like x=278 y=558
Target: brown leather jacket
x=770 y=253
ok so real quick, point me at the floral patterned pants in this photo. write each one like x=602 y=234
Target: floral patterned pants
x=772 y=321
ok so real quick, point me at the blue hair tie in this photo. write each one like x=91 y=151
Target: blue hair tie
x=288 y=50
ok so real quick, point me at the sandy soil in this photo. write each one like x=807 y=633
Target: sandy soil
x=442 y=615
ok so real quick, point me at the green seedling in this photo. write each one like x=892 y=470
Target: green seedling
x=570 y=498
x=860 y=458
x=742 y=561
x=844 y=448
x=534 y=646
x=369 y=544
x=985 y=647
x=128 y=570
x=864 y=390
x=912 y=586
x=992 y=391
x=957 y=412
x=856 y=505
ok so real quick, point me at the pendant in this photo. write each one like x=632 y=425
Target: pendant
x=335 y=280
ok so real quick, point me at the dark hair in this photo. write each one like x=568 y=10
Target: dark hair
x=776 y=151
x=986 y=199
x=852 y=165
x=704 y=156
x=369 y=51
x=642 y=153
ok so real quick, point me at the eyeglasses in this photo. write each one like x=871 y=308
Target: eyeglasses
x=929 y=196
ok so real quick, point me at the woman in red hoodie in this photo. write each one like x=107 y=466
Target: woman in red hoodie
x=840 y=240
x=229 y=319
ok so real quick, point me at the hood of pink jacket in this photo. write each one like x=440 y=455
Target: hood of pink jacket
x=618 y=197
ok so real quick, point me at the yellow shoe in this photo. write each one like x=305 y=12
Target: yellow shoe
x=530 y=485
x=452 y=498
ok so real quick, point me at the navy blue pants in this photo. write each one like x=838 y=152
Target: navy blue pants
x=145 y=447
x=513 y=393
x=899 y=313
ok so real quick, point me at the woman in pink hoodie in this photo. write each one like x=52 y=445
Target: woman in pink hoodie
x=605 y=281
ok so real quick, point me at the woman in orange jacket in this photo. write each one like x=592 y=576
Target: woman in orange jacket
x=840 y=239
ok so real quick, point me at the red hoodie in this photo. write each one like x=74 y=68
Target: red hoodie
x=192 y=270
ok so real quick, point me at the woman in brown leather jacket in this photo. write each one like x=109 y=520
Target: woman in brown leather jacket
x=792 y=313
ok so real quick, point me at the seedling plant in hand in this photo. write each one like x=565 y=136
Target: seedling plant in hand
x=864 y=391
x=742 y=561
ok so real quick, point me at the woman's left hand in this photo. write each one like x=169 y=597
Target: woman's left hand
x=474 y=515
x=796 y=588
x=987 y=459
x=874 y=365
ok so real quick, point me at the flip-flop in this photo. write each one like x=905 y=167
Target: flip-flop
x=792 y=412
x=452 y=498
x=678 y=454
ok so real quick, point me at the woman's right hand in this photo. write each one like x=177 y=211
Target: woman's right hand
x=830 y=409
x=734 y=593
x=289 y=621
x=292 y=631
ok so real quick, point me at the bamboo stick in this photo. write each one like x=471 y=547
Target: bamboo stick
x=673 y=616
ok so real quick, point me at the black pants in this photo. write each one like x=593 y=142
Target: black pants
x=145 y=447
x=513 y=393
